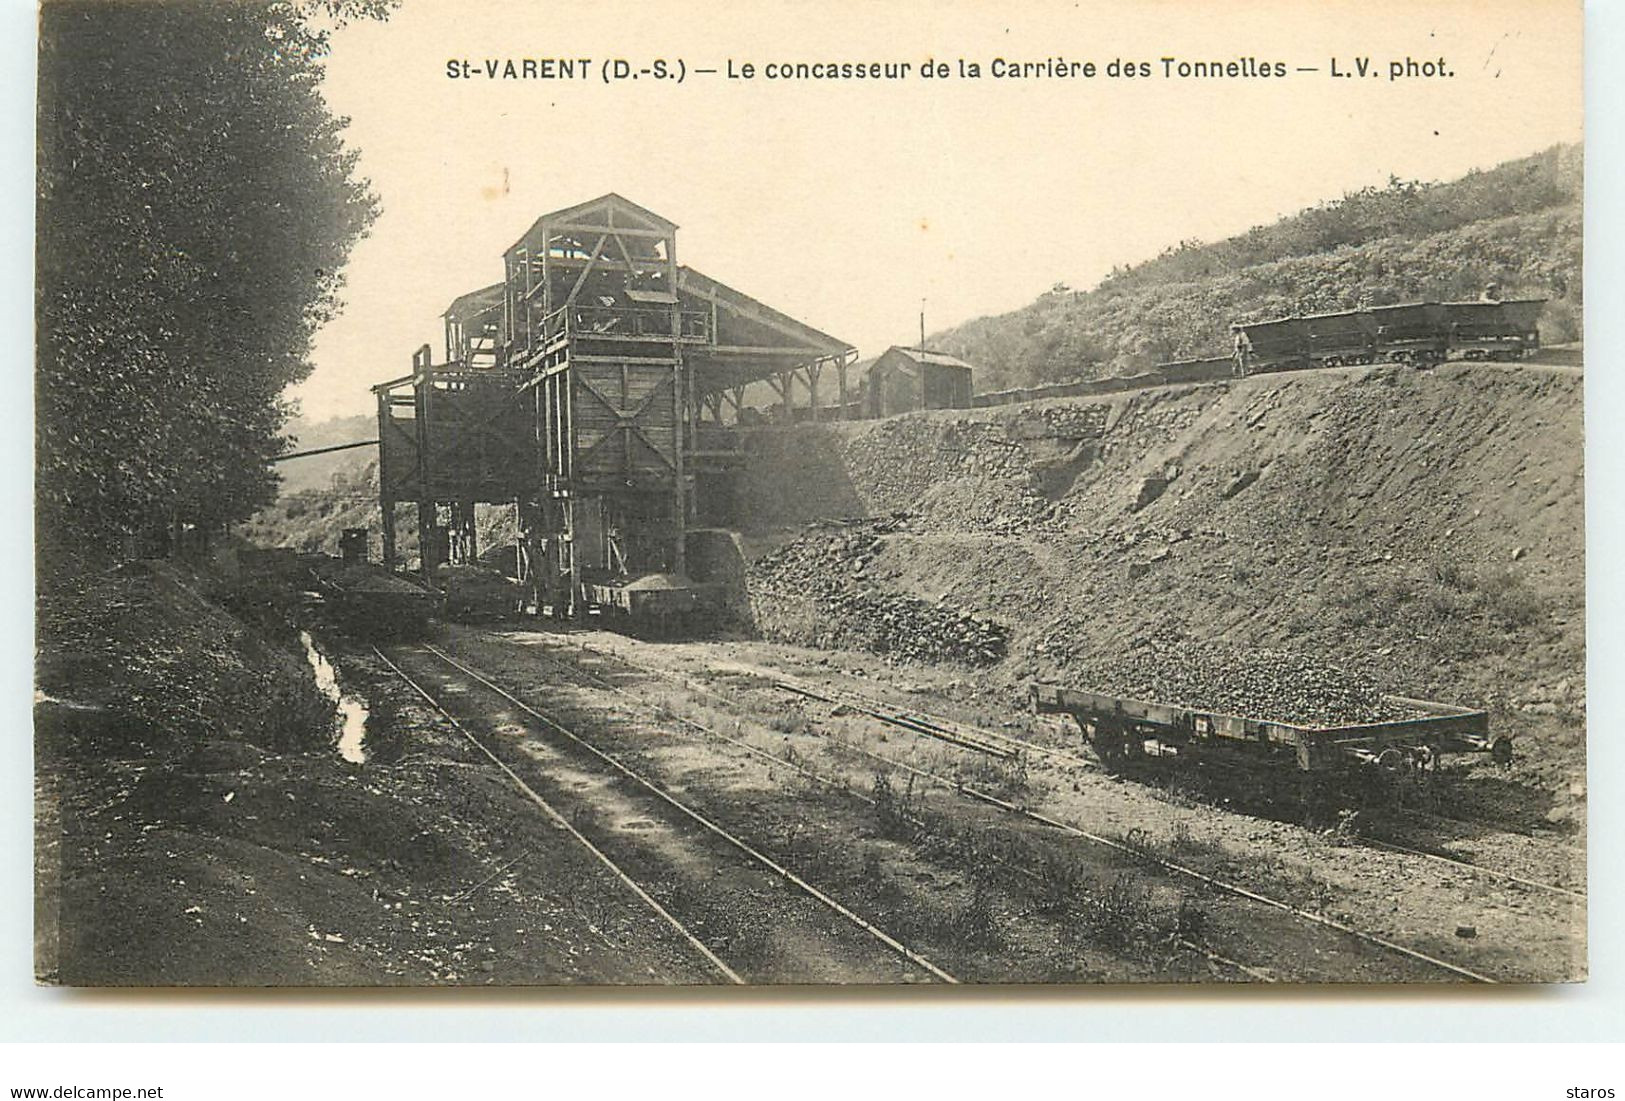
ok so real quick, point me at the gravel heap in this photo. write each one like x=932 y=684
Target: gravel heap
x=814 y=592
x=903 y=457
x=967 y=473
x=1262 y=684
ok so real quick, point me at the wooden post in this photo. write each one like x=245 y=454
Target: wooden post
x=428 y=538
x=386 y=499
x=814 y=368
x=386 y=505
x=685 y=419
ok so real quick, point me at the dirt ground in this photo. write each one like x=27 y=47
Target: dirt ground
x=1422 y=530
x=1519 y=933
x=196 y=824
x=204 y=858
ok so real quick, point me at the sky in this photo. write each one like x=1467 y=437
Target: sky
x=845 y=203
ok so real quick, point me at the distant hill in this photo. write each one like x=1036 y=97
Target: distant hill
x=318 y=471
x=313 y=519
x=1517 y=225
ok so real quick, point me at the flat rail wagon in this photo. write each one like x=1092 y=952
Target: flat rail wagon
x=1421 y=733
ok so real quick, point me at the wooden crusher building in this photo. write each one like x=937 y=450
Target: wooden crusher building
x=588 y=387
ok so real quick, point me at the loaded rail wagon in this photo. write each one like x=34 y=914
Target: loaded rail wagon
x=1336 y=339
x=1422 y=731
x=1495 y=330
x=370 y=601
x=1423 y=333
x=1412 y=332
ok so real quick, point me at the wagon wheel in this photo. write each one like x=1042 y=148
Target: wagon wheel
x=1108 y=743
x=1316 y=797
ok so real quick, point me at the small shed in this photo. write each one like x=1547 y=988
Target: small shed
x=905 y=379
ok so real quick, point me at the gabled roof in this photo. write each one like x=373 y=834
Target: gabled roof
x=703 y=286
x=913 y=358
x=597 y=212
x=475 y=302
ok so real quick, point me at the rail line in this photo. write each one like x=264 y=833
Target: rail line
x=872 y=930
x=831 y=782
x=1215 y=882
x=1480 y=869
x=950 y=731
x=1172 y=866
x=563 y=823
x=994 y=743
x=930 y=725
x=852 y=699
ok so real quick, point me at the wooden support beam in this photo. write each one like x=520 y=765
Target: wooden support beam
x=651 y=361
x=581 y=278
x=587 y=230
x=813 y=370
x=798 y=351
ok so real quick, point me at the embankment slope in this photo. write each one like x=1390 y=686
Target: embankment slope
x=1424 y=530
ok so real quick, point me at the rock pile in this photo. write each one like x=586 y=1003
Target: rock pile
x=1257 y=683
x=815 y=592
x=1001 y=475
x=903 y=457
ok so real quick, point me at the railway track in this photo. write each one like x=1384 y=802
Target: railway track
x=931 y=725
x=1477 y=869
x=553 y=815
x=1003 y=746
x=989 y=741
x=955 y=785
x=830 y=782
x=693 y=848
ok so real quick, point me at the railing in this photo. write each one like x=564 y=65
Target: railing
x=624 y=323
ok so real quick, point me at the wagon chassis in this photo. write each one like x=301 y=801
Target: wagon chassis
x=1124 y=731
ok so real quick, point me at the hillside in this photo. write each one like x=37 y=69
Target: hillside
x=1518 y=225
x=319 y=471
x=1424 y=530
x=312 y=519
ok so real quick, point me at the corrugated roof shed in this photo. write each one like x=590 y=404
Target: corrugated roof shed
x=932 y=359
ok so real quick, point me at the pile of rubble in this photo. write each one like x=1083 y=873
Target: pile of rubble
x=1002 y=476
x=901 y=458
x=1257 y=683
x=814 y=592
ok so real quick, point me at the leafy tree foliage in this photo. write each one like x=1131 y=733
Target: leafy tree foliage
x=196 y=204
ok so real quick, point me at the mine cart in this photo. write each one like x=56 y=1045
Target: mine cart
x=1337 y=339
x=371 y=602
x=1278 y=345
x=1414 y=739
x=1413 y=332
x=1494 y=330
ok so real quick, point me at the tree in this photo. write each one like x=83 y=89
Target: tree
x=196 y=205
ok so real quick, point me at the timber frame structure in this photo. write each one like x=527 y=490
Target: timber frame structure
x=588 y=388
